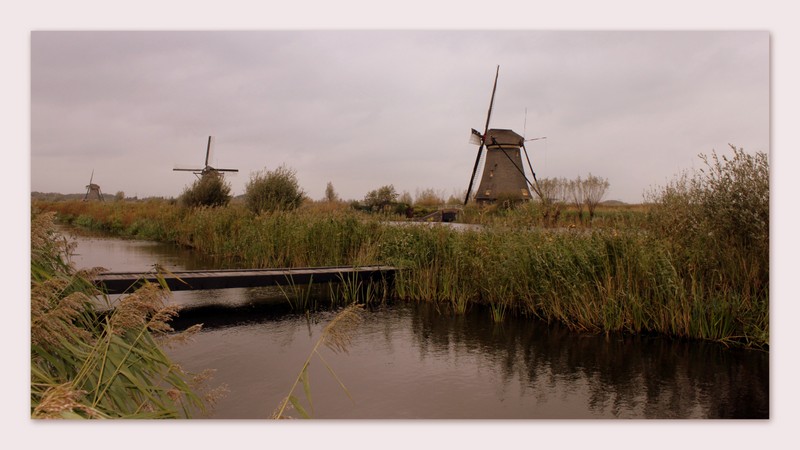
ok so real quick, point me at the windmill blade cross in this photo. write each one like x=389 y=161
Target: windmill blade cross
x=206 y=167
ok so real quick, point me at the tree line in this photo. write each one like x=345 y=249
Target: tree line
x=279 y=190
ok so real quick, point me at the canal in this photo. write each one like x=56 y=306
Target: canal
x=412 y=361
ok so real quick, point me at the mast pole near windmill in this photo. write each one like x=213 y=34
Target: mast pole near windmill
x=530 y=166
x=483 y=137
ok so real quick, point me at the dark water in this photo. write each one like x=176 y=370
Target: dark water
x=409 y=360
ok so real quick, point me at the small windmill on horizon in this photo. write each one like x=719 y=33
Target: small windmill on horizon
x=93 y=190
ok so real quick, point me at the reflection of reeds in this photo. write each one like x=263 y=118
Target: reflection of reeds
x=299 y=297
x=352 y=289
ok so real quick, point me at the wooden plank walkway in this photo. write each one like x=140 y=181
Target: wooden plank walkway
x=121 y=282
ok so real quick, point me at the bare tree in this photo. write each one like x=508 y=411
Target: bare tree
x=330 y=194
x=594 y=189
x=457 y=197
x=405 y=198
x=575 y=189
x=429 y=197
x=552 y=192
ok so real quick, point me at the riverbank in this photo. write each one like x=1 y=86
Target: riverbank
x=619 y=278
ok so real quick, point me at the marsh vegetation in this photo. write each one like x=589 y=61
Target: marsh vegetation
x=691 y=262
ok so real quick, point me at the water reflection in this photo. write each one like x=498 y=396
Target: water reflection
x=121 y=255
x=623 y=376
x=409 y=361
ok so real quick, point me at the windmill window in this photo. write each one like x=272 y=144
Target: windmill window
x=491 y=173
x=524 y=192
x=488 y=192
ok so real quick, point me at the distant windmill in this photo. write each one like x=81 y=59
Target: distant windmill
x=206 y=169
x=93 y=190
x=503 y=173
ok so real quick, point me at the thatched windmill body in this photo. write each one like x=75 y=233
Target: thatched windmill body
x=503 y=175
x=93 y=191
x=206 y=169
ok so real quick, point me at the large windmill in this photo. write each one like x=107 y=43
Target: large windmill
x=93 y=190
x=206 y=169
x=503 y=173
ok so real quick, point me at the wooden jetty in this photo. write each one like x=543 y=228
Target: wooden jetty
x=122 y=282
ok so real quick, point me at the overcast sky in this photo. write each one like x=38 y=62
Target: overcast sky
x=363 y=109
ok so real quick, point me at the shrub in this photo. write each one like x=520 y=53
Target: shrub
x=717 y=221
x=728 y=201
x=380 y=198
x=210 y=190
x=276 y=190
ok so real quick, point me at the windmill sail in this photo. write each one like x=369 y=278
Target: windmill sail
x=475 y=137
x=482 y=137
x=208 y=148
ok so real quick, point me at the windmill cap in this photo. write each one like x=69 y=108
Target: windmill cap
x=503 y=138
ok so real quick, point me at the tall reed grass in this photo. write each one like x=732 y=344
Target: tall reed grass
x=603 y=280
x=88 y=364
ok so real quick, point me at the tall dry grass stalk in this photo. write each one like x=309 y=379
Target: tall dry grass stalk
x=91 y=364
x=337 y=336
